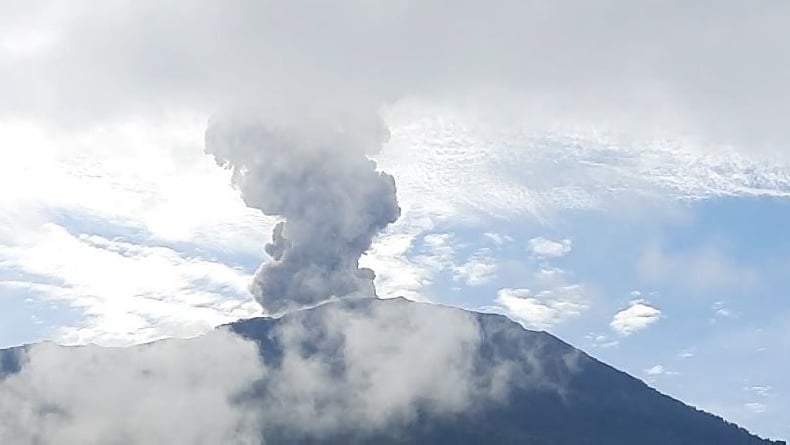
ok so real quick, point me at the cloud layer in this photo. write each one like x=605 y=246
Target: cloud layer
x=709 y=71
x=170 y=392
x=354 y=368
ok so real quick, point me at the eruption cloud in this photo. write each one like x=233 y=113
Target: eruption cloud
x=314 y=173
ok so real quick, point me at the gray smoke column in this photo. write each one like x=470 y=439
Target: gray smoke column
x=313 y=172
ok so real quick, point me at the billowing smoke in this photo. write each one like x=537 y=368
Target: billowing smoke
x=314 y=173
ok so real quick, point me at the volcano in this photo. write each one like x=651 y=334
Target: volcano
x=524 y=387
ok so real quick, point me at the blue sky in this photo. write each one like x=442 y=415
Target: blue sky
x=618 y=176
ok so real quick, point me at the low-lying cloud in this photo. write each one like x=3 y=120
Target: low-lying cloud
x=169 y=392
x=357 y=368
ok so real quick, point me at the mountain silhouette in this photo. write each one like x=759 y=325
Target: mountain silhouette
x=555 y=394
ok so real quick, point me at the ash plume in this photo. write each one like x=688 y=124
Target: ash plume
x=314 y=173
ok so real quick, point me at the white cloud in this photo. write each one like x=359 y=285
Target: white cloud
x=140 y=173
x=406 y=266
x=601 y=341
x=170 y=392
x=399 y=273
x=380 y=384
x=396 y=275
x=637 y=316
x=437 y=160
x=480 y=268
x=497 y=238
x=542 y=247
x=128 y=293
x=440 y=246
x=658 y=370
x=88 y=210
x=686 y=354
x=721 y=311
x=497 y=58
x=756 y=407
x=545 y=309
x=760 y=390
x=362 y=367
x=549 y=276
x=724 y=313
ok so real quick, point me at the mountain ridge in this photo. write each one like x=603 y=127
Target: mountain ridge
x=553 y=393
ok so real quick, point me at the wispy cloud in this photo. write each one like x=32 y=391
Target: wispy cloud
x=658 y=370
x=127 y=293
x=480 y=268
x=756 y=407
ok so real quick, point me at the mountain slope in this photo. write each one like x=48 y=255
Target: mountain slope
x=386 y=371
x=579 y=401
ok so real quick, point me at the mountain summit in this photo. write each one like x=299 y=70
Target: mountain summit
x=351 y=371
